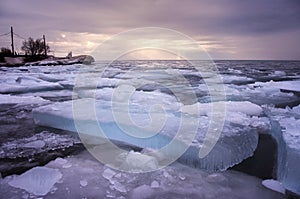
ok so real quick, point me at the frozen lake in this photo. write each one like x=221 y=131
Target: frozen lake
x=143 y=106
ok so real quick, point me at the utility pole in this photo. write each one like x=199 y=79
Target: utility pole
x=45 y=47
x=12 y=41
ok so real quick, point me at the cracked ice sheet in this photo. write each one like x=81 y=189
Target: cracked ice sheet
x=38 y=143
x=52 y=94
x=15 y=99
x=237 y=142
x=262 y=92
x=145 y=99
x=81 y=176
x=284 y=86
x=18 y=83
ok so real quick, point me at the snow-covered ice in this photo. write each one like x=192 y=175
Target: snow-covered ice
x=23 y=84
x=136 y=162
x=244 y=107
x=279 y=93
x=11 y=99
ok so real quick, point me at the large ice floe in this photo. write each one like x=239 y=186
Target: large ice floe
x=237 y=142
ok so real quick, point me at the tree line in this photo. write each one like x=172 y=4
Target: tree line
x=32 y=48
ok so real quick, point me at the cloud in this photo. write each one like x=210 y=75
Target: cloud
x=231 y=16
x=227 y=24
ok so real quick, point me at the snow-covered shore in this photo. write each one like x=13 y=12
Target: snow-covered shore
x=50 y=61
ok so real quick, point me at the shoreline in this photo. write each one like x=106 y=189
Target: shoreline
x=49 y=61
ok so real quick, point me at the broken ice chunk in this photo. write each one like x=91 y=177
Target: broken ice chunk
x=60 y=161
x=83 y=183
x=274 y=185
x=119 y=187
x=181 y=176
x=137 y=162
x=37 y=181
x=141 y=192
x=154 y=184
x=35 y=144
x=108 y=174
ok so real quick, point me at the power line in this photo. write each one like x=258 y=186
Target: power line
x=17 y=44
x=4 y=34
x=19 y=36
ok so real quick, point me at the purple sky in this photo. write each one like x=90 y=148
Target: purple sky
x=227 y=29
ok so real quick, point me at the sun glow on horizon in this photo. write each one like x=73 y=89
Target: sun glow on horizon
x=86 y=43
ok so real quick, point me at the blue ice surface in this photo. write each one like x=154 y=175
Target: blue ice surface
x=237 y=142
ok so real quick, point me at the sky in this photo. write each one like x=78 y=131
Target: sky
x=226 y=29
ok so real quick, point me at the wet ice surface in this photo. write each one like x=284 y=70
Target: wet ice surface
x=87 y=178
x=24 y=145
x=250 y=85
x=41 y=142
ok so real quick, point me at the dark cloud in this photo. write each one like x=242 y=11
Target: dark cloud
x=231 y=16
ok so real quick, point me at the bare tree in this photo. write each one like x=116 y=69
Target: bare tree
x=5 y=52
x=34 y=47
